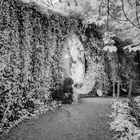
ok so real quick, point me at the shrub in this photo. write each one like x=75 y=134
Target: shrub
x=63 y=93
x=125 y=119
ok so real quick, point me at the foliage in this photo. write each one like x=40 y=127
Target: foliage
x=31 y=68
x=128 y=64
x=117 y=18
x=64 y=92
x=109 y=42
x=96 y=59
x=125 y=119
x=30 y=47
x=24 y=84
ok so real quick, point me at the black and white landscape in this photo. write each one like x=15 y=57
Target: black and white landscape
x=69 y=69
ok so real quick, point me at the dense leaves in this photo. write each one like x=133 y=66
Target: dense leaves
x=115 y=17
x=125 y=119
x=31 y=70
x=27 y=61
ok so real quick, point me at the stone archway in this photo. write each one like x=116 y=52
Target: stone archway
x=74 y=60
x=74 y=66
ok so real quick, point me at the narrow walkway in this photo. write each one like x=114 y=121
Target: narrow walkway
x=85 y=121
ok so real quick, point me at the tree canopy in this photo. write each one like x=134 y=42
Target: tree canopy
x=119 y=18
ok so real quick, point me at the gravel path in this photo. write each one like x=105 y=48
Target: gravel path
x=84 y=121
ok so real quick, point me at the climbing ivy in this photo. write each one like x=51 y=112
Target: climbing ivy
x=31 y=67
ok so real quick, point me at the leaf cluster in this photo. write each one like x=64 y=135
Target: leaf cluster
x=31 y=65
x=125 y=119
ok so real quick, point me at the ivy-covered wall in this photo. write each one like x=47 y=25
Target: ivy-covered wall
x=96 y=60
x=31 y=47
x=31 y=66
x=29 y=54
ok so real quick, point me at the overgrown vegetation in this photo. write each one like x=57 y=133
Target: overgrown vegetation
x=31 y=69
x=30 y=64
x=26 y=67
x=126 y=119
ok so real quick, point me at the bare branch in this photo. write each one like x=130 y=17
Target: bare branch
x=137 y=17
x=100 y=9
x=50 y=2
x=129 y=2
x=108 y=15
x=76 y=3
x=135 y=45
x=117 y=18
x=127 y=17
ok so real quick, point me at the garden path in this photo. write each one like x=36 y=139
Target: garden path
x=85 y=121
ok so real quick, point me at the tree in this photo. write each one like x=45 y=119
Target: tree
x=118 y=19
x=114 y=15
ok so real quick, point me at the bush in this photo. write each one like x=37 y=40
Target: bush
x=63 y=93
x=125 y=119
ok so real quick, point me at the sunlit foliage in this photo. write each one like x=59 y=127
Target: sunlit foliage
x=126 y=119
